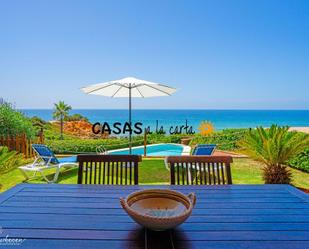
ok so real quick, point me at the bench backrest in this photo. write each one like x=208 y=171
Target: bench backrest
x=108 y=169
x=200 y=170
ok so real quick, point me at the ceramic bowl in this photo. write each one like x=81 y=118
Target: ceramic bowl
x=159 y=209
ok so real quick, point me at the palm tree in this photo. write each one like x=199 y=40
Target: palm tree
x=274 y=147
x=61 y=111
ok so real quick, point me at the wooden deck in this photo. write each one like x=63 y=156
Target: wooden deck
x=90 y=216
x=228 y=153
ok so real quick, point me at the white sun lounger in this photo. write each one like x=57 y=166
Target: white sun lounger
x=45 y=160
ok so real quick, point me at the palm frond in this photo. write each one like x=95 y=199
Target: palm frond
x=274 y=146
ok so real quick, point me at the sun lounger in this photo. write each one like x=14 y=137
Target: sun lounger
x=45 y=159
x=204 y=150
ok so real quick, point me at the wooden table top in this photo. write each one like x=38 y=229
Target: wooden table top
x=88 y=216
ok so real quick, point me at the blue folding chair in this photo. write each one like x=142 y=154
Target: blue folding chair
x=46 y=159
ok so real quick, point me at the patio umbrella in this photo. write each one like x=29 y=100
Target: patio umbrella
x=129 y=88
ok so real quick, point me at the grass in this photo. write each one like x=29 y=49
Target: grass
x=153 y=171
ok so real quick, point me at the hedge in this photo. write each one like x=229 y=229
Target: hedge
x=90 y=145
x=227 y=139
x=13 y=122
x=69 y=146
x=301 y=161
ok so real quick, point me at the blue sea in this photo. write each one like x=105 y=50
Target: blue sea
x=221 y=119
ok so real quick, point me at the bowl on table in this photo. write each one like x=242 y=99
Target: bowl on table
x=159 y=209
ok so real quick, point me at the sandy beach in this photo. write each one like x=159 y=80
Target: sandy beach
x=302 y=129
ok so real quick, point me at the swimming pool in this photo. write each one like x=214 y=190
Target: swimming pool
x=155 y=150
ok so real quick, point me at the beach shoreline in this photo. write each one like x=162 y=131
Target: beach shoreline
x=223 y=119
x=304 y=129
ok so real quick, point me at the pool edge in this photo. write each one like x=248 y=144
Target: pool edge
x=185 y=152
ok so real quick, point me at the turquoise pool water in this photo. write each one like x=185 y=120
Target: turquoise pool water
x=153 y=150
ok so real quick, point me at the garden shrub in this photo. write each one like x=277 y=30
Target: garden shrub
x=8 y=159
x=13 y=122
x=90 y=145
x=76 y=117
x=155 y=138
x=77 y=145
x=301 y=161
x=227 y=139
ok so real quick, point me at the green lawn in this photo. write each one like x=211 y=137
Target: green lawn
x=153 y=171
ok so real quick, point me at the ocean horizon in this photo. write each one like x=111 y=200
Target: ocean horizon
x=221 y=119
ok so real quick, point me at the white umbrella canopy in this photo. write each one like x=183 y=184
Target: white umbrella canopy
x=129 y=87
x=124 y=87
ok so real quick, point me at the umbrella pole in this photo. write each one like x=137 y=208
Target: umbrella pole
x=130 y=107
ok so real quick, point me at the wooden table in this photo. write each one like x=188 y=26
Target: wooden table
x=81 y=216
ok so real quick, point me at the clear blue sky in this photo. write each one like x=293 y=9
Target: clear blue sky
x=220 y=54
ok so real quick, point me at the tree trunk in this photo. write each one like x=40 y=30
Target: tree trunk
x=276 y=174
x=61 y=127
